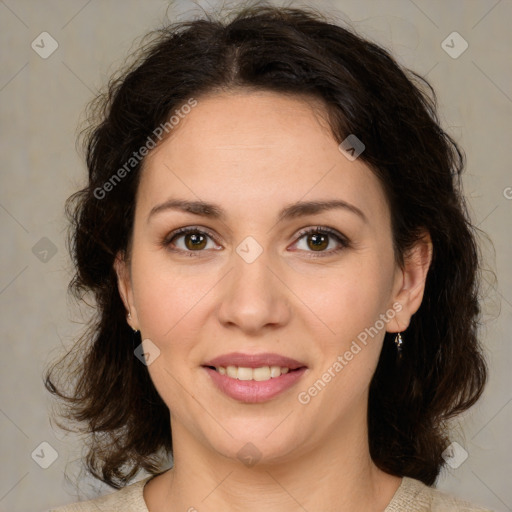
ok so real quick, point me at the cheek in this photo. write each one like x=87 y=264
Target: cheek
x=347 y=299
x=169 y=303
x=349 y=350
x=166 y=298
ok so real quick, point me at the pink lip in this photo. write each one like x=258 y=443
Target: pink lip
x=251 y=391
x=254 y=361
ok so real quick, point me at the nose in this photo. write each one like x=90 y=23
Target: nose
x=254 y=298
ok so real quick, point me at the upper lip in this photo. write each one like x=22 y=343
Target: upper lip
x=254 y=361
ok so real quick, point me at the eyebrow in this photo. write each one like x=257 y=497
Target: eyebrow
x=291 y=211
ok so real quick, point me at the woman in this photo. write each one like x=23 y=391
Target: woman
x=274 y=217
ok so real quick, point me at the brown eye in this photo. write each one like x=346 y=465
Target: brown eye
x=321 y=240
x=189 y=240
x=317 y=241
x=194 y=241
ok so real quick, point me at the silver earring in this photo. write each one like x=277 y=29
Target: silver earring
x=135 y=331
x=399 y=342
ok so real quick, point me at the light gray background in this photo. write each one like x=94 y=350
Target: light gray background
x=41 y=101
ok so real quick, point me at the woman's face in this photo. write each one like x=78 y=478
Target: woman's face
x=249 y=279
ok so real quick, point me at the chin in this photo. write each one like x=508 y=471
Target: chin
x=262 y=445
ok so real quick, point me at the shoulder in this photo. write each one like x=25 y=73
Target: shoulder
x=415 y=496
x=128 y=499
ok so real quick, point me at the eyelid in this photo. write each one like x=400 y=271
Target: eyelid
x=322 y=229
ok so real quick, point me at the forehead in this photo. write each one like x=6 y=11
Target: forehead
x=249 y=147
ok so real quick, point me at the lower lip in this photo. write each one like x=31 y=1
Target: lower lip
x=252 y=391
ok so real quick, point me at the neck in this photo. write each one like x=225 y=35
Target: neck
x=336 y=475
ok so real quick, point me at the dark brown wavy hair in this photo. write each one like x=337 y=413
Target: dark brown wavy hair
x=109 y=394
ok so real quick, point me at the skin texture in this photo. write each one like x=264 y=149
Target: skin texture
x=252 y=154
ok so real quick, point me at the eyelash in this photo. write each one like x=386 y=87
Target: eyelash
x=320 y=230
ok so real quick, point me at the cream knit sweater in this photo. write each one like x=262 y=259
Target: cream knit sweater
x=411 y=496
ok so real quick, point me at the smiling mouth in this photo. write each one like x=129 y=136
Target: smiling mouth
x=259 y=374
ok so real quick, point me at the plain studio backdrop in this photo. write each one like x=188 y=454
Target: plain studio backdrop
x=462 y=46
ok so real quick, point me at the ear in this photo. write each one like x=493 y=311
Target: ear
x=409 y=284
x=124 y=285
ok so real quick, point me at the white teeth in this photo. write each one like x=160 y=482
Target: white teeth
x=258 y=374
x=275 y=371
x=232 y=372
x=244 y=373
